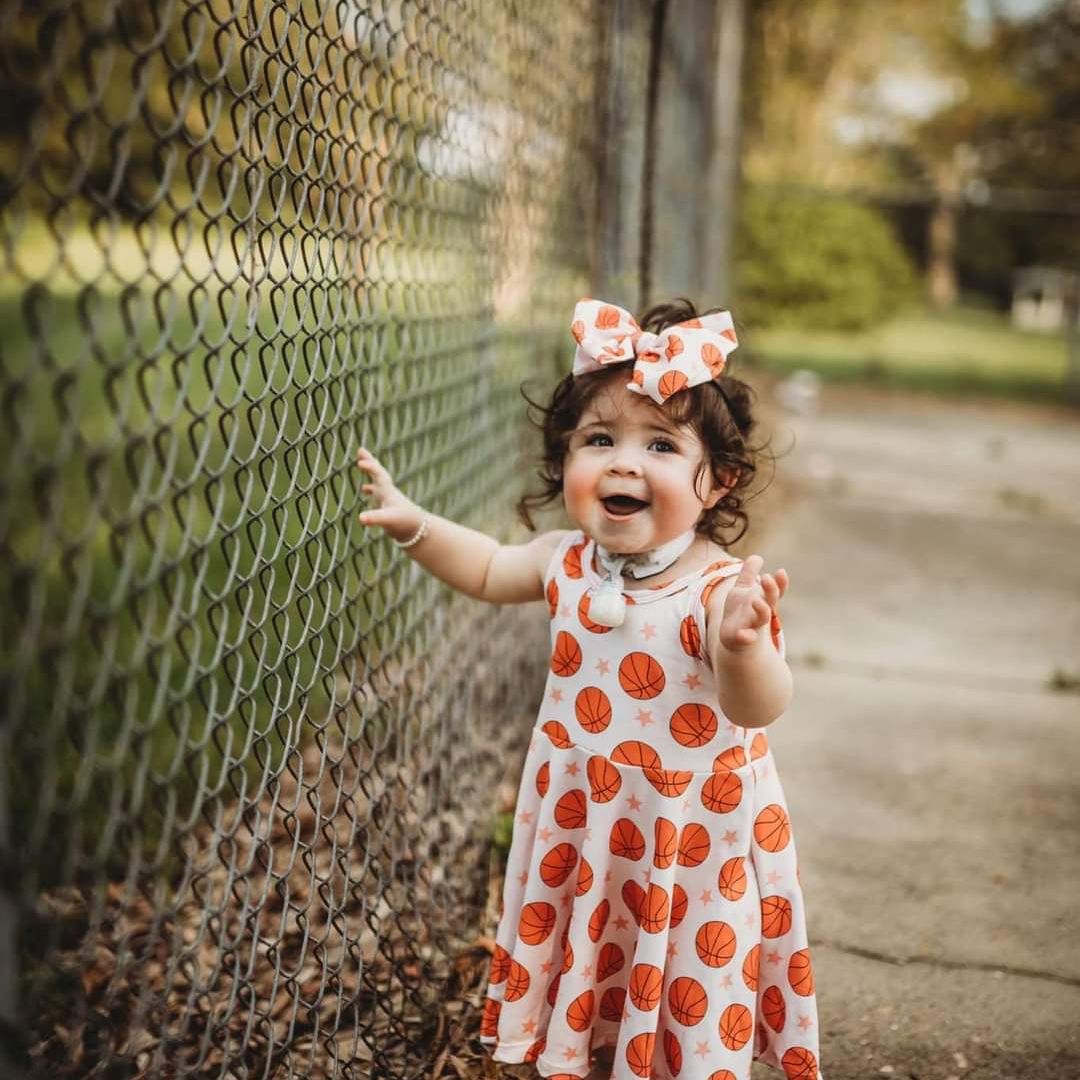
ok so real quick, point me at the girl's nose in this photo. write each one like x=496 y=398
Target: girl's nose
x=624 y=463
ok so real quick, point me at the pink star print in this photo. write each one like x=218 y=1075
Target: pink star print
x=805 y=1022
x=748 y=918
x=570 y=1053
x=763 y=770
x=546 y=966
x=774 y=957
x=672 y=949
x=634 y=802
x=725 y=981
x=544 y=834
x=523 y=878
x=586 y=971
x=692 y=681
x=686 y=804
x=566 y=900
x=564 y=610
x=731 y=836
x=603 y=666
x=644 y=717
x=702 y=1049
x=607 y=878
x=645 y=875
x=556 y=695
x=772 y=877
x=572 y=768
x=648 y=631
x=706 y=896
x=525 y=817
x=621 y=922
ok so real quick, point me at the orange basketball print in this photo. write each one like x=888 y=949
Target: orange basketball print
x=671 y=382
x=612 y=1002
x=566 y=656
x=610 y=960
x=572 y=560
x=639 y=1054
x=693 y=844
x=640 y=675
x=689 y=636
x=489 y=1022
x=773 y=1008
x=607 y=318
x=715 y=943
x=633 y=897
x=734 y=757
x=583 y=617
x=678 y=904
x=722 y=792
x=693 y=724
x=713 y=357
x=558 y=864
x=665 y=843
x=579 y=1012
x=536 y=1049
x=731 y=880
x=772 y=829
x=750 y=967
x=553 y=989
x=584 y=878
x=669 y=782
x=570 y=810
x=800 y=973
x=626 y=840
x=722 y=1074
x=517 y=982
x=687 y=1001
x=799 y=1063
x=736 y=1026
x=636 y=753
x=567 y=957
x=775 y=916
x=672 y=1052
x=598 y=919
x=500 y=965
x=644 y=987
x=577 y=328
x=655 y=910
x=674 y=347
x=759 y=746
x=604 y=779
x=558 y=734
x=543 y=779
x=536 y=922
x=592 y=708
x=552 y=594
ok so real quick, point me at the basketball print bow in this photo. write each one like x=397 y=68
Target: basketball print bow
x=677 y=358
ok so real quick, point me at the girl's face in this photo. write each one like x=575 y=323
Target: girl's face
x=628 y=474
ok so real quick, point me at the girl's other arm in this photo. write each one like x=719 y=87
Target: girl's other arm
x=471 y=562
x=753 y=680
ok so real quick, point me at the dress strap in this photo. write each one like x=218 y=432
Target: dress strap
x=574 y=536
x=692 y=631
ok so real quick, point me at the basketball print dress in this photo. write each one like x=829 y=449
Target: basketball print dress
x=652 y=901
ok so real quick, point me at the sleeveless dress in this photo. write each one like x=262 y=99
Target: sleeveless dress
x=652 y=899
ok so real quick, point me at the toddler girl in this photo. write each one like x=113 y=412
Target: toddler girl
x=652 y=904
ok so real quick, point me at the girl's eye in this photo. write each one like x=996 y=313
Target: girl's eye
x=594 y=439
x=663 y=445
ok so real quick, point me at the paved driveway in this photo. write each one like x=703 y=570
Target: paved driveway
x=932 y=770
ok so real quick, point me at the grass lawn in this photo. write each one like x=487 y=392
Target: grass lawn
x=964 y=350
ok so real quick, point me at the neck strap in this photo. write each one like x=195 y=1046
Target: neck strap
x=644 y=564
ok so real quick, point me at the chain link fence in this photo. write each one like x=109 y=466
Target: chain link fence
x=250 y=756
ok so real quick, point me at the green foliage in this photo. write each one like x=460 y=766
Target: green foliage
x=825 y=262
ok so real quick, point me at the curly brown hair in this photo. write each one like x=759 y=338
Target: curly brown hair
x=719 y=412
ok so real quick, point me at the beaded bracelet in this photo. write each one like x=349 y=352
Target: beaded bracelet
x=416 y=537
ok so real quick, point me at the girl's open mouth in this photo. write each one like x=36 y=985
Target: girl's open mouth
x=623 y=505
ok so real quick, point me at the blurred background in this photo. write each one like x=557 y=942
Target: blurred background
x=256 y=771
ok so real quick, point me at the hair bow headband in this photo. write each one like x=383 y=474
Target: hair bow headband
x=677 y=358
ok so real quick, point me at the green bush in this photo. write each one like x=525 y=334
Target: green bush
x=813 y=261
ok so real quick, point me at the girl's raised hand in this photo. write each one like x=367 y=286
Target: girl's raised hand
x=750 y=604
x=395 y=513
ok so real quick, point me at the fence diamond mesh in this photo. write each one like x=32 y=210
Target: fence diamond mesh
x=249 y=752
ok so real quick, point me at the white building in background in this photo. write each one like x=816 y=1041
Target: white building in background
x=1043 y=297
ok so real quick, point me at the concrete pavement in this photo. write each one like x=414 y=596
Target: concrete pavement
x=933 y=773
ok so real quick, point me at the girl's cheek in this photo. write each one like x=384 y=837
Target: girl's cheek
x=575 y=485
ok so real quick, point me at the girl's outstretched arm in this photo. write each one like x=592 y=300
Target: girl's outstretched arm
x=753 y=680
x=471 y=562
